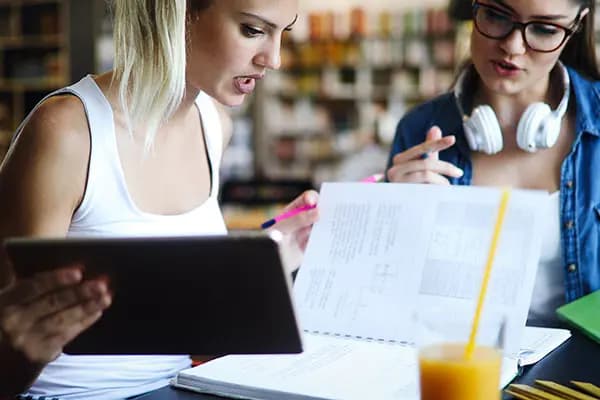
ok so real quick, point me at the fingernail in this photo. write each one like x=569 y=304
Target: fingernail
x=106 y=301
x=97 y=288
x=460 y=172
x=74 y=275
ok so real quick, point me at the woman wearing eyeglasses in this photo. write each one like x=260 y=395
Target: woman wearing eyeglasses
x=524 y=113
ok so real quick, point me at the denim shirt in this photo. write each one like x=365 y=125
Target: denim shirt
x=579 y=177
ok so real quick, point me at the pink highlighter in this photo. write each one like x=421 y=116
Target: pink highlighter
x=373 y=178
x=287 y=214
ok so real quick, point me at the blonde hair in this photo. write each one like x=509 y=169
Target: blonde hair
x=150 y=60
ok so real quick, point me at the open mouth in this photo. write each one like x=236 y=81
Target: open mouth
x=506 y=69
x=244 y=84
x=507 y=66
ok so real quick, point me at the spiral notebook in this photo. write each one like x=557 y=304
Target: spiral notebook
x=378 y=254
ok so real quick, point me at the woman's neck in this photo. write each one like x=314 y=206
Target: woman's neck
x=187 y=102
x=510 y=108
x=110 y=88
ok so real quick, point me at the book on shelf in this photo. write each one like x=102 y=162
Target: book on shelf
x=378 y=256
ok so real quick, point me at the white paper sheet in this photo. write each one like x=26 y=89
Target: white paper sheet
x=381 y=252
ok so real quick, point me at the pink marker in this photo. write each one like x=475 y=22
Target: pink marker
x=373 y=178
x=287 y=214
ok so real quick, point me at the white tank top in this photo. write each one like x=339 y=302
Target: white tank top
x=107 y=209
x=549 y=289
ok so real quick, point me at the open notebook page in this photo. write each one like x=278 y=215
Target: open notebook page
x=538 y=342
x=379 y=250
x=362 y=266
x=458 y=250
x=329 y=368
x=333 y=367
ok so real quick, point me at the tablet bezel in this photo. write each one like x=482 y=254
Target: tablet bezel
x=224 y=295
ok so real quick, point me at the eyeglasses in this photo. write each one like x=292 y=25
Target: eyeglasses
x=544 y=37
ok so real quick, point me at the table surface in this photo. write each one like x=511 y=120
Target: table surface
x=576 y=359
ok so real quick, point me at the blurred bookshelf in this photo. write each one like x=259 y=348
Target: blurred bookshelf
x=344 y=83
x=34 y=57
x=44 y=45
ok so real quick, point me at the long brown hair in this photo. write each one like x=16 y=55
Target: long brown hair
x=580 y=51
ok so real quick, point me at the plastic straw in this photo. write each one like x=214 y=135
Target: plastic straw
x=488 y=271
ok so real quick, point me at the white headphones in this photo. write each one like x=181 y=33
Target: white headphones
x=538 y=127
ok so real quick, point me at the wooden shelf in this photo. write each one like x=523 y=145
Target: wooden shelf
x=5 y=137
x=20 y=3
x=351 y=87
x=331 y=97
x=41 y=41
x=420 y=35
x=32 y=84
x=34 y=57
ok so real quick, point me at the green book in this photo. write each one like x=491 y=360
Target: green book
x=584 y=314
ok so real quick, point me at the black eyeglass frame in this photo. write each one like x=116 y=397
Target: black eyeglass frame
x=522 y=26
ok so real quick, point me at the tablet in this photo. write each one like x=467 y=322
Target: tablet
x=208 y=295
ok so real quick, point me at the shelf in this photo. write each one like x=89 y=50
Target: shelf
x=42 y=41
x=322 y=98
x=334 y=97
x=316 y=69
x=352 y=40
x=19 y=3
x=5 y=137
x=31 y=84
x=247 y=217
x=298 y=134
x=35 y=56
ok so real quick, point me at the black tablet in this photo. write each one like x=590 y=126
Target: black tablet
x=185 y=295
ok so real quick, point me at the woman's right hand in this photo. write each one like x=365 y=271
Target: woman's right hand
x=421 y=163
x=39 y=316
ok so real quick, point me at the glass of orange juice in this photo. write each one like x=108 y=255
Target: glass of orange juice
x=445 y=372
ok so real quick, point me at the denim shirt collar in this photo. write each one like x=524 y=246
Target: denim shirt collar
x=452 y=121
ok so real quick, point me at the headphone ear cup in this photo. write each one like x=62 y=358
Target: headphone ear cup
x=482 y=130
x=537 y=128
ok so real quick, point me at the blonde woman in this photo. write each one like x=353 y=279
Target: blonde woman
x=135 y=151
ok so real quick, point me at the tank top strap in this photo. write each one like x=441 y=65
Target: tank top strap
x=213 y=133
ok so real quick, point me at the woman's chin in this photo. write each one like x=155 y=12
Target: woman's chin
x=502 y=86
x=231 y=100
